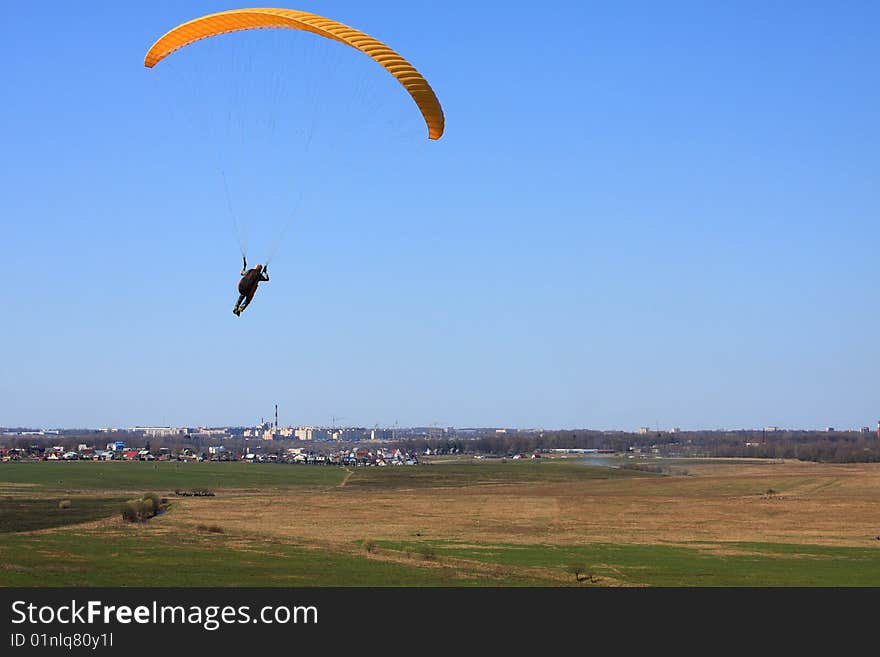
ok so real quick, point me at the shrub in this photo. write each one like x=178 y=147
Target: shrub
x=157 y=501
x=580 y=572
x=427 y=552
x=140 y=510
x=131 y=511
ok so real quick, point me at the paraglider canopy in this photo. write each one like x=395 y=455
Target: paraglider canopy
x=247 y=19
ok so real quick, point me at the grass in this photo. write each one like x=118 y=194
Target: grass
x=166 y=475
x=448 y=524
x=481 y=473
x=708 y=461
x=151 y=557
x=169 y=476
x=716 y=564
x=28 y=514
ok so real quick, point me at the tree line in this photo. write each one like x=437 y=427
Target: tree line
x=820 y=446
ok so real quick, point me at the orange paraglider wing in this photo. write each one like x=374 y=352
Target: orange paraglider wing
x=236 y=20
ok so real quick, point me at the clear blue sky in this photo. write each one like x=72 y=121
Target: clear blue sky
x=641 y=213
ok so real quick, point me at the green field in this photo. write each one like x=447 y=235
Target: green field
x=719 y=564
x=22 y=514
x=169 y=476
x=477 y=473
x=164 y=475
x=155 y=558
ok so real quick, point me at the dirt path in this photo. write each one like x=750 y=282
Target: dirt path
x=347 y=477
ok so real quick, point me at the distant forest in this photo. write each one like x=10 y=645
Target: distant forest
x=822 y=446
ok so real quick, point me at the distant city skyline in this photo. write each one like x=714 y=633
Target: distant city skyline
x=210 y=428
x=640 y=214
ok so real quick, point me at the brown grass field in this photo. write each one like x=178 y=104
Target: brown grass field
x=821 y=504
